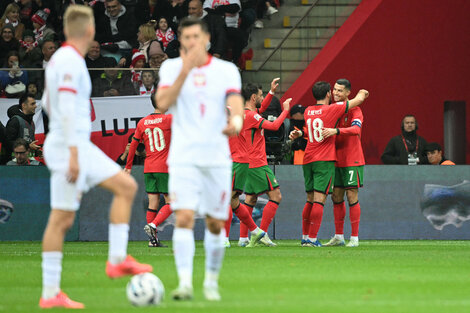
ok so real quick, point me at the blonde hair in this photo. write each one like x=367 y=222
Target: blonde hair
x=76 y=20
x=11 y=7
x=148 y=30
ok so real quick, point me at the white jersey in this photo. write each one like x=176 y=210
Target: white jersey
x=200 y=113
x=66 y=97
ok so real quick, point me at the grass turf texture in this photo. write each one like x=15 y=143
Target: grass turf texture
x=378 y=276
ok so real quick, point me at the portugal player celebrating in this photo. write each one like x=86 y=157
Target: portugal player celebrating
x=155 y=131
x=349 y=167
x=260 y=177
x=320 y=156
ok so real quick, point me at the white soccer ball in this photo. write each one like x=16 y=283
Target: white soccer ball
x=145 y=290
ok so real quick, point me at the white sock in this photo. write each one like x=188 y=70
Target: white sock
x=118 y=237
x=312 y=239
x=243 y=239
x=183 y=249
x=51 y=270
x=340 y=237
x=153 y=225
x=354 y=238
x=215 y=250
x=304 y=237
x=256 y=231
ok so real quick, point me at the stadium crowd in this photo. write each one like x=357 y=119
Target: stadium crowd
x=131 y=35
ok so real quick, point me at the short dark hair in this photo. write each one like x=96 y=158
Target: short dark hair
x=24 y=98
x=21 y=142
x=191 y=21
x=432 y=146
x=250 y=89
x=320 y=90
x=344 y=82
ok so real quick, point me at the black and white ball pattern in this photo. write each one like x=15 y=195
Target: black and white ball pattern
x=145 y=290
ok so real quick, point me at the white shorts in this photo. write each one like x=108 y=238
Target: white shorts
x=94 y=168
x=206 y=190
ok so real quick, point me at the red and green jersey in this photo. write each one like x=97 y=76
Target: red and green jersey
x=155 y=131
x=238 y=146
x=348 y=143
x=252 y=136
x=316 y=118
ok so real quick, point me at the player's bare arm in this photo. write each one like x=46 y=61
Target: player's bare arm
x=360 y=97
x=235 y=122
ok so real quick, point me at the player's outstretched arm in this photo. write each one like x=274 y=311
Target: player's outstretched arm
x=267 y=100
x=278 y=122
x=235 y=122
x=360 y=97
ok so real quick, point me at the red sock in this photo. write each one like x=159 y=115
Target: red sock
x=228 y=223
x=243 y=227
x=244 y=215
x=268 y=214
x=306 y=217
x=354 y=217
x=162 y=215
x=339 y=211
x=151 y=215
x=315 y=219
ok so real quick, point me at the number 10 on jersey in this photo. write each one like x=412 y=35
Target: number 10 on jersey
x=314 y=129
x=156 y=139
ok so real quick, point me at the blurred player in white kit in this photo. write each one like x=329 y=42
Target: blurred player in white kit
x=77 y=165
x=197 y=88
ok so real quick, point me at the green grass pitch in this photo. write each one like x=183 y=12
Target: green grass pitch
x=378 y=276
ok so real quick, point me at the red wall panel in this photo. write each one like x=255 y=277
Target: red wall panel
x=411 y=55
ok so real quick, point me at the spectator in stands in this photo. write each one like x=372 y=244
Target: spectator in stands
x=156 y=57
x=434 y=154
x=113 y=82
x=12 y=16
x=116 y=28
x=48 y=49
x=146 y=10
x=216 y=26
x=176 y=11
x=407 y=148
x=42 y=32
x=297 y=122
x=8 y=42
x=21 y=152
x=149 y=82
x=20 y=125
x=15 y=76
x=27 y=9
x=145 y=37
x=139 y=158
x=264 y=7
x=137 y=64
x=94 y=59
x=164 y=33
x=32 y=89
x=30 y=53
x=230 y=10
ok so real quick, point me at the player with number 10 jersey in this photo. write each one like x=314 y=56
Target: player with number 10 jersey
x=155 y=131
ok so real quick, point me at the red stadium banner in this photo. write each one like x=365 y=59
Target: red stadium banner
x=113 y=120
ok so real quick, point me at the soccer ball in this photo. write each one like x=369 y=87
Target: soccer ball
x=145 y=290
